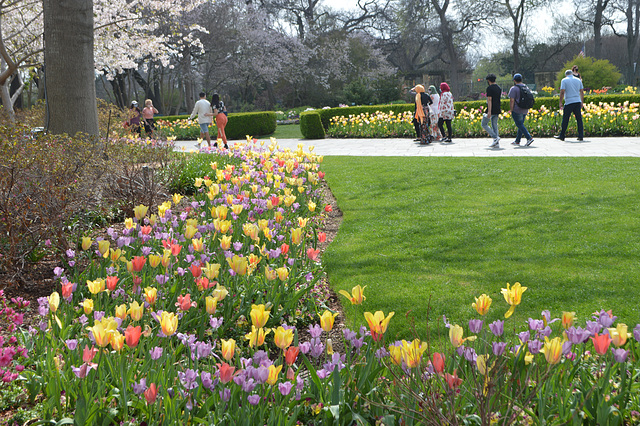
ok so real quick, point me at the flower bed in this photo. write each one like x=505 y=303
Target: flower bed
x=195 y=312
x=602 y=119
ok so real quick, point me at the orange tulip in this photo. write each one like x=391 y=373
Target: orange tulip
x=378 y=323
x=601 y=343
x=132 y=336
x=138 y=263
x=291 y=354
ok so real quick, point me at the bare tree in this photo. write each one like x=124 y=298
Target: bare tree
x=596 y=14
x=631 y=11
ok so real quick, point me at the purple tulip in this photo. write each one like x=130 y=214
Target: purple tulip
x=188 y=379
x=535 y=324
x=498 y=348
x=497 y=328
x=619 y=354
x=225 y=394
x=577 y=335
x=566 y=348
x=253 y=399
x=636 y=333
x=140 y=387
x=524 y=336
x=534 y=346
x=593 y=327
x=156 y=353
x=205 y=378
x=285 y=388
x=72 y=344
x=475 y=326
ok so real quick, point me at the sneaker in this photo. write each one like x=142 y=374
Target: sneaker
x=515 y=143
x=529 y=142
x=497 y=139
x=495 y=144
x=560 y=138
x=580 y=139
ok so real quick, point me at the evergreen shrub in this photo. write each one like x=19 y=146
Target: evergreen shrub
x=311 y=125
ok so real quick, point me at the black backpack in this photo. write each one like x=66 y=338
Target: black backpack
x=526 y=99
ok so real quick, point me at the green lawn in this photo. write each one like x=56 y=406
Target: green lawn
x=439 y=231
x=286 y=131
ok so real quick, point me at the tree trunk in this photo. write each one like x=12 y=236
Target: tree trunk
x=633 y=22
x=69 y=67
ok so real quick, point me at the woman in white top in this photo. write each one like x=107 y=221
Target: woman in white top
x=435 y=113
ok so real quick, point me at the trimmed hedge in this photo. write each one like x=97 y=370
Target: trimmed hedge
x=241 y=124
x=311 y=125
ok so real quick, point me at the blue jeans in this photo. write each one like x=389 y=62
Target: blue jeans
x=493 y=130
x=522 y=131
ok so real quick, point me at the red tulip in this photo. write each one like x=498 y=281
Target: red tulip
x=132 y=336
x=151 y=393
x=111 y=283
x=438 y=362
x=226 y=372
x=138 y=263
x=601 y=343
x=291 y=354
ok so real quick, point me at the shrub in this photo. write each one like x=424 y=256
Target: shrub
x=595 y=73
x=238 y=127
x=311 y=125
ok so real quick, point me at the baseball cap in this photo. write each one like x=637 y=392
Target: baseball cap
x=517 y=77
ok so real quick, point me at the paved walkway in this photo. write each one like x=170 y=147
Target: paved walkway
x=477 y=147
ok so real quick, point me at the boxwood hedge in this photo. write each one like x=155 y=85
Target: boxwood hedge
x=242 y=124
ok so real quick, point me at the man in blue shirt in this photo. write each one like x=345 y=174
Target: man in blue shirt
x=572 y=92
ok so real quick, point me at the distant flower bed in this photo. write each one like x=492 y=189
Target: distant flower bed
x=602 y=119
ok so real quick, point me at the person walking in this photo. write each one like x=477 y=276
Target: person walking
x=202 y=108
x=220 y=114
x=494 y=92
x=422 y=113
x=447 y=112
x=435 y=113
x=572 y=92
x=147 y=115
x=133 y=123
x=518 y=113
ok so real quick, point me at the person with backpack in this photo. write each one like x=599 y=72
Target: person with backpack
x=572 y=92
x=520 y=100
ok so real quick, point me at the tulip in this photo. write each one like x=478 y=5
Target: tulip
x=619 y=335
x=176 y=198
x=283 y=273
x=67 y=290
x=151 y=295
x=154 y=260
x=115 y=255
x=438 y=362
x=312 y=206
x=259 y=315
x=412 y=352
x=482 y=304
x=175 y=249
x=455 y=335
x=86 y=243
x=313 y=254
x=89 y=353
x=327 y=319
x=378 y=323
x=100 y=334
x=121 y=312
x=296 y=236
x=190 y=232
x=553 y=350
x=601 y=343
x=238 y=264
x=54 y=301
x=228 y=348
x=513 y=297
x=270 y=274
x=220 y=293
x=138 y=263
x=328 y=208
x=140 y=211
x=103 y=248
x=202 y=283
x=453 y=380
x=184 y=303
x=111 y=282
x=211 y=304
x=151 y=393
x=195 y=269
x=283 y=338
x=212 y=270
x=87 y=306
x=257 y=336
x=567 y=319
x=132 y=336
x=197 y=244
x=96 y=286
x=128 y=223
x=357 y=295
x=168 y=323
x=284 y=248
x=225 y=371
x=273 y=374
x=136 y=311
x=291 y=354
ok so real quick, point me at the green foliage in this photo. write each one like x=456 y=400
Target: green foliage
x=468 y=226
x=251 y=123
x=181 y=174
x=311 y=125
x=358 y=92
x=596 y=73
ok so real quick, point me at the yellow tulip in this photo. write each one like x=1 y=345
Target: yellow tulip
x=377 y=323
x=211 y=270
x=270 y=274
x=220 y=292
x=115 y=255
x=312 y=206
x=168 y=323
x=128 y=223
x=152 y=219
x=96 y=286
x=482 y=304
x=257 y=336
x=87 y=306
x=259 y=315
x=86 y=243
x=211 y=304
x=54 y=301
x=236 y=208
x=357 y=295
x=190 y=231
x=197 y=244
x=225 y=242
x=140 y=211
x=296 y=235
x=103 y=248
x=151 y=295
x=395 y=353
x=619 y=335
x=136 y=310
x=238 y=264
x=228 y=348
x=117 y=341
x=327 y=319
x=154 y=260
x=176 y=198
x=567 y=319
x=412 y=352
x=455 y=335
x=283 y=273
x=283 y=338
x=121 y=312
x=273 y=374
x=553 y=350
x=513 y=296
